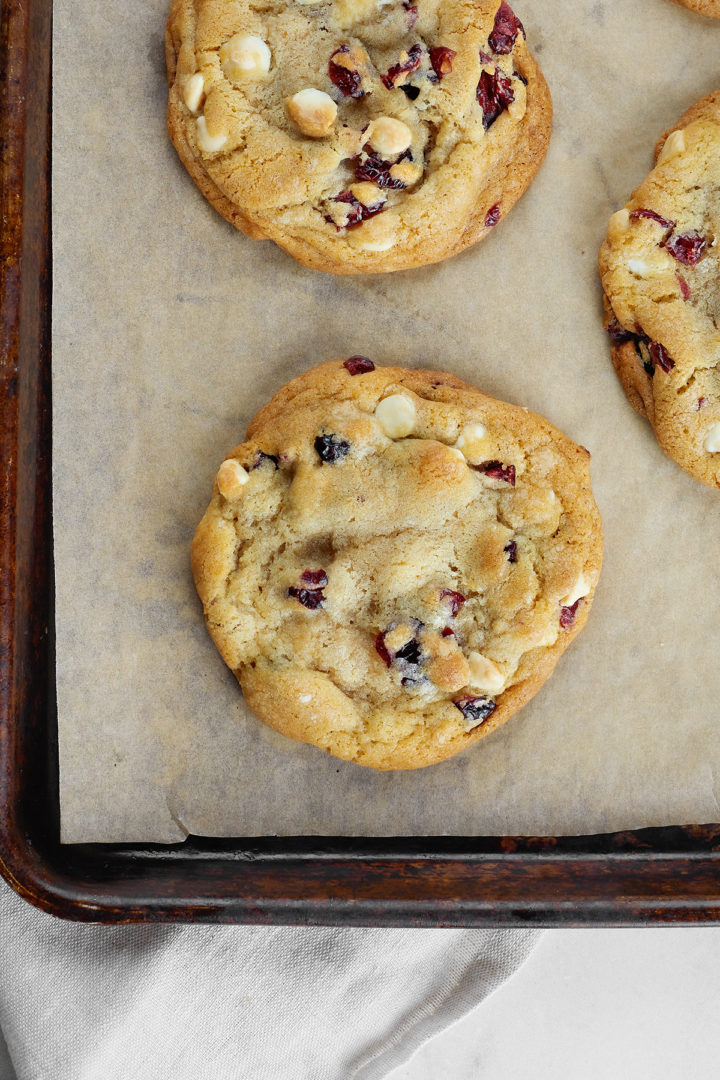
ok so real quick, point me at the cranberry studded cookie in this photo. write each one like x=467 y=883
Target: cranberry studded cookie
x=360 y=135
x=393 y=562
x=661 y=271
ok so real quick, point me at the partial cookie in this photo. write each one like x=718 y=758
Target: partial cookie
x=661 y=277
x=703 y=7
x=393 y=562
x=361 y=136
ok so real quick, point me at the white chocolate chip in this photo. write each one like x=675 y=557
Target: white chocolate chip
x=645 y=268
x=388 y=136
x=304 y=699
x=313 y=111
x=362 y=239
x=637 y=266
x=209 y=144
x=674 y=144
x=406 y=171
x=367 y=193
x=397 y=637
x=484 y=674
x=471 y=443
x=193 y=92
x=619 y=224
x=458 y=453
x=396 y=416
x=580 y=589
x=231 y=478
x=712 y=440
x=518 y=107
x=244 y=57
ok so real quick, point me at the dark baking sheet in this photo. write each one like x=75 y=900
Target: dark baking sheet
x=656 y=875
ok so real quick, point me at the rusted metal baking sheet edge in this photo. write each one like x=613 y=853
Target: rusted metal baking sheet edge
x=657 y=875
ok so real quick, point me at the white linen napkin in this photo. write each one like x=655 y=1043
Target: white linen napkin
x=82 y=1002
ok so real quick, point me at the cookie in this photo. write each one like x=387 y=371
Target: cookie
x=362 y=136
x=393 y=562
x=660 y=269
x=703 y=7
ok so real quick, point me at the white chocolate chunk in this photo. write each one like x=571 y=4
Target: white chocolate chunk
x=518 y=107
x=383 y=243
x=231 y=478
x=245 y=57
x=209 y=144
x=313 y=111
x=377 y=234
x=619 y=224
x=674 y=144
x=193 y=92
x=484 y=674
x=471 y=443
x=712 y=440
x=396 y=416
x=367 y=193
x=406 y=171
x=397 y=637
x=388 y=136
x=580 y=589
x=645 y=268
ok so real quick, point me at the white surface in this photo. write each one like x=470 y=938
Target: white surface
x=592 y=1005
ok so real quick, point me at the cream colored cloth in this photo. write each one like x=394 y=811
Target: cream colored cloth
x=231 y=1002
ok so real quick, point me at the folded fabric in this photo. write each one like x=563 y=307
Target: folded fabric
x=84 y=1002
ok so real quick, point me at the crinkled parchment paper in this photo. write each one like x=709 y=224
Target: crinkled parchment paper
x=171 y=329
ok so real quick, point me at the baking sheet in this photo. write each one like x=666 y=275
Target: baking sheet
x=170 y=330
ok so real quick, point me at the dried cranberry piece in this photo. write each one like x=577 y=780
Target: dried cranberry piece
x=412 y=13
x=684 y=287
x=505 y=31
x=261 y=458
x=493 y=216
x=701 y=403
x=358 y=365
x=617 y=333
x=687 y=248
x=511 y=551
x=413 y=92
x=441 y=59
x=331 y=448
x=660 y=356
x=381 y=649
x=567 y=615
x=447 y=632
x=456 y=599
x=372 y=167
x=309 y=598
x=475 y=709
x=347 y=80
x=495 y=470
x=494 y=93
x=652 y=216
x=314 y=579
x=410 y=652
x=404 y=67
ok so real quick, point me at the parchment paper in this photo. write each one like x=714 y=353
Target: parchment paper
x=171 y=329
